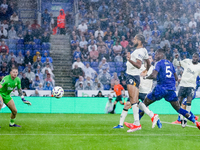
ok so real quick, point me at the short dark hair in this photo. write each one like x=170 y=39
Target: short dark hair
x=196 y=54
x=141 y=38
x=14 y=68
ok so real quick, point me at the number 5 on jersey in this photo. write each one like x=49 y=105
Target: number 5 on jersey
x=168 y=72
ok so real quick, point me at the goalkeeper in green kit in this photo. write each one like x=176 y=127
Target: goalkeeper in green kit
x=7 y=85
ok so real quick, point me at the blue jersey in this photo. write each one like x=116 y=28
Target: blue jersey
x=165 y=77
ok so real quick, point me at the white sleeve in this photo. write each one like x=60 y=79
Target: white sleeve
x=142 y=55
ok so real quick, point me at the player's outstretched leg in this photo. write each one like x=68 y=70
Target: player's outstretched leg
x=11 y=106
x=1 y=104
x=185 y=113
x=123 y=115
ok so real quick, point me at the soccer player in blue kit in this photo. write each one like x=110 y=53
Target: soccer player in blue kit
x=166 y=77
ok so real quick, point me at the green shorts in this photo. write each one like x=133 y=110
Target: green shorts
x=6 y=98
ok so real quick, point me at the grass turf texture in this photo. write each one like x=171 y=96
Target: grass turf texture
x=93 y=131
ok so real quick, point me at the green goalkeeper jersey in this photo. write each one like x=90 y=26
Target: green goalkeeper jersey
x=8 y=85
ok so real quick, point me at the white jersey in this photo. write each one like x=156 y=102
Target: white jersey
x=190 y=73
x=140 y=54
x=146 y=85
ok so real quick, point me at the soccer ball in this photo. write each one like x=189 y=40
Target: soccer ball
x=58 y=92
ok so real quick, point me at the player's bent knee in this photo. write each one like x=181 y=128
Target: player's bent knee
x=14 y=112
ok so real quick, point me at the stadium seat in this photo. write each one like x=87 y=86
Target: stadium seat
x=37 y=41
x=96 y=69
x=86 y=62
x=106 y=87
x=20 y=68
x=20 y=46
x=94 y=64
x=12 y=46
x=46 y=46
x=36 y=47
x=28 y=46
x=112 y=69
x=12 y=41
x=119 y=64
x=20 y=41
x=111 y=64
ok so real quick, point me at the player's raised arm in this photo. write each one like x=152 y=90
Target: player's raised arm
x=136 y=64
x=148 y=64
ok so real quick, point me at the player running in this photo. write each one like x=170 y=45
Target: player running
x=144 y=89
x=188 y=81
x=166 y=77
x=118 y=88
x=7 y=85
x=134 y=62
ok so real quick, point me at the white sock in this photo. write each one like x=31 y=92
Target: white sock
x=145 y=109
x=122 y=117
x=188 y=108
x=136 y=114
x=181 y=117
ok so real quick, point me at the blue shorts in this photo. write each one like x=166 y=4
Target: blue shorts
x=159 y=92
x=133 y=80
x=184 y=102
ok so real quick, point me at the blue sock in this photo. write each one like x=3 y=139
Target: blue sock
x=179 y=118
x=184 y=112
x=140 y=116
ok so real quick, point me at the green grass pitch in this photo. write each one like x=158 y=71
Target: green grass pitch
x=93 y=132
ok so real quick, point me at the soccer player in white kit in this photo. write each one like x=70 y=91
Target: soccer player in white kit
x=134 y=63
x=144 y=88
x=188 y=81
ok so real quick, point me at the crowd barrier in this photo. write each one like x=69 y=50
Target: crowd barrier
x=85 y=105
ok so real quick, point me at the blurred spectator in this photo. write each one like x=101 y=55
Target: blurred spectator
x=147 y=31
x=99 y=31
x=103 y=5
x=47 y=67
x=35 y=94
x=3 y=59
x=39 y=73
x=12 y=34
x=27 y=67
x=30 y=75
x=25 y=82
x=74 y=43
x=175 y=52
x=89 y=71
x=35 y=24
x=92 y=44
x=36 y=82
x=78 y=63
x=113 y=78
x=124 y=43
x=40 y=87
x=184 y=53
x=118 y=58
x=4 y=24
x=77 y=54
x=12 y=62
x=80 y=79
x=14 y=17
x=20 y=74
x=79 y=86
x=104 y=77
x=48 y=86
x=109 y=105
x=4 y=65
x=103 y=65
x=99 y=94
x=88 y=86
x=36 y=56
x=164 y=42
x=192 y=23
x=124 y=84
x=20 y=59
x=109 y=43
x=43 y=59
x=38 y=62
x=83 y=42
x=4 y=48
x=83 y=27
x=48 y=62
x=49 y=79
x=45 y=16
x=61 y=22
x=45 y=38
x=28 y=39
x=94 y=54
x=76 y=72
x=122 y=77
x=117 y=49
x=3 y=72
x=11 y=55
x=197 y=14
x=85 y=54
x=97 y=84
x=88 y=79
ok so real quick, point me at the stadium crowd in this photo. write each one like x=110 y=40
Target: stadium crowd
x=26 y=46
x=104 y=36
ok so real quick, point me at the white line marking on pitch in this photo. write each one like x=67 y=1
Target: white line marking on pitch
x=178 y=124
